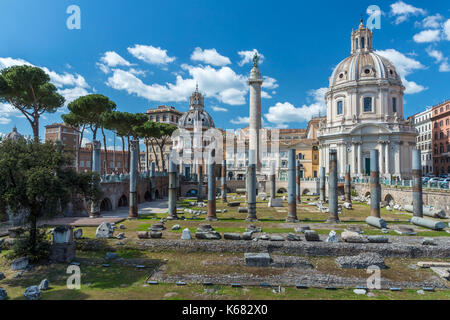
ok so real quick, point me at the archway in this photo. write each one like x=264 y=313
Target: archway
x=123 y=201
x=157 y=194
x=105 y=205
x=282 y=190
x=367 y=194
x=305 y=192
x=388 y=198
x=192 y=193
x=147 y=196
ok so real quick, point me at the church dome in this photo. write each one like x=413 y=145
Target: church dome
x=364 y=64
x=14 y=135
x=196 y=115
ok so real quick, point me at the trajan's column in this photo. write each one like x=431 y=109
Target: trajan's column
x=255 y=81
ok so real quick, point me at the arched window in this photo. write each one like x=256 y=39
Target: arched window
x=340 y=107
x=368 y=104
x=394 y=104
x=356 y=44
x=362 y=43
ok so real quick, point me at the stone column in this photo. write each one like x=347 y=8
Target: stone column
x=251 y=189
x=348 y=185
x=387 y=168
x=322 y=185
x=292 y=205
x=375 y=188
x=224 y=180
x=96 y=146
x=255 y=81
x=417 y=183
x=200 y=183
x=360 y=160
x=211 y=189
x=272 y=181
x=354 y=170
x=152 y=181
x=172 y=190
x=134 y=158
x=297 y=185
x=381 y=158
x=332 y=189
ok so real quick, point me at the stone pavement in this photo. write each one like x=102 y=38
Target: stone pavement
x=158 y=206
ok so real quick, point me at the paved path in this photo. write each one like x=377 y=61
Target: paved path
x=159 y=206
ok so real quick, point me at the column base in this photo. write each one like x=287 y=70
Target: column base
x=172 y=218
x=94 y=215
x=252 y=220
x=211 y=219
x=292 y=220
x=333 y=220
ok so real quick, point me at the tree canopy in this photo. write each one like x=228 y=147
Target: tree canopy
x=29 y=90
x=37 y=178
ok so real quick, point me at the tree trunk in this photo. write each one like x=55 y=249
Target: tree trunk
x=129 y=155
x=35 y=126
x=80 y=142
x=147 y=162
x=33 y=229
x=156 y=156
x=123 y=154
x=106 y=152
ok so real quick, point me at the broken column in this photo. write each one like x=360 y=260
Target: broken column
x=375 y=188
x=172 y=190
x=322 y=185
x=332 y=189
x=298 y=167
x=211 y=189
x=224 y=180
x=200 y=183
x=95 y=208
x=63 y=246
x=417 y=183
x=292 y=204
x=152 y=181
x=251 y=187
x=272 y=182
x=134 y=157
x=348 y=185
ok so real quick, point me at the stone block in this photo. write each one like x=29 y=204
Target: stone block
x=257 y=259
x=311 y=235
x=232 y=236
x=20 y=264
x=275 y=203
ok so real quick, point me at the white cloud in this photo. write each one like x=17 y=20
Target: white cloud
x=247 y=57
x=84 y=142
x=265 y=95
x=405 y=66
x=150 y=54
x=7 y=111
x=113 y=59
x=240 y=120
x=402 y=11
x=436 y=54
x=68 y=84
x=219 y=109
x=439 y=58
x=210 y=56
x=283 y=113
x=447 y=29
x=427 y=36
x=444 y=67
x=432 y=22
x=269 y=83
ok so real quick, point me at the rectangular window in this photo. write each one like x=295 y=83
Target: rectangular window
x=339 y=107
x=367 y=104
x=394 y=104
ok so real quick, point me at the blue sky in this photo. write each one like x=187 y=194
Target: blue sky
x=143 y=54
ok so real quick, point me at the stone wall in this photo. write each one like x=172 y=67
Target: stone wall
x=438 y=198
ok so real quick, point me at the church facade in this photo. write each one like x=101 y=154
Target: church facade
x=365 y=111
